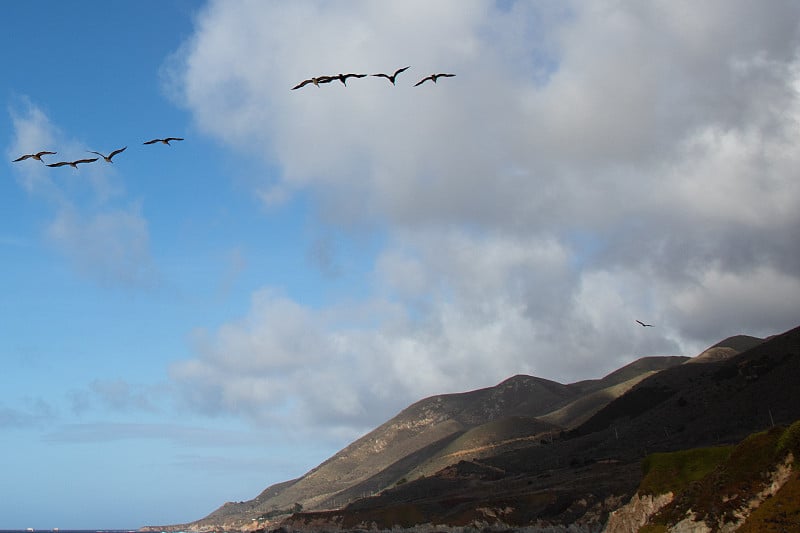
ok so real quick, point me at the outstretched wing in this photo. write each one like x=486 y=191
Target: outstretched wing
x=22 y=157
x=173 y=139
x=398 y=71
x=423 y=80
x=115 y=152
x=154 y=141
x=301 y=84
x=91 y=160
x=59 y=164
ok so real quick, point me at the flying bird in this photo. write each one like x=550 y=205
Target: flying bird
x=433 y=78
x=163 y=141
x=393 y=76
x=109 y=156
x=37 y=156
x=316 y=81
x=645 y=325
x=73 y=164
x=343 y=77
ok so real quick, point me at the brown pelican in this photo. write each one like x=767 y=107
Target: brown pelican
x=164 y=141
x=73 y=164
x=645 y=325
x=37 y=156
x=316 y=81
x=433 y=78
x=393 y=76
x=109 y=156
x=343 y=77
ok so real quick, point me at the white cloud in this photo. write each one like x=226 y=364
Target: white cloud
x=590 y=164
x=111 y=247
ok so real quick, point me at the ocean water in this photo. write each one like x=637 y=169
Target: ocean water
x=56 y=530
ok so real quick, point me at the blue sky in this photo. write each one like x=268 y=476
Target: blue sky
x=195 y=322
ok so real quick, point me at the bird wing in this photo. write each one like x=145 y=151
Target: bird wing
x=640 y=322
x=423 y=80
x=301 y=84
x=446 y=75
x=59 y=164
x=398 y=71
x=381 y=75
x=40 y=154
x=91 y=160
x=98 y=153
x=174 y=139
x=115 y=152
x=22 y=158
x=153 y=141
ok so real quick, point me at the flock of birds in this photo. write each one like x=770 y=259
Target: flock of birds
x=74 y=164
x=316 y=80
x=166 y=140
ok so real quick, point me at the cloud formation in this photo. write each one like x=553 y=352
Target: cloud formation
x=105 y=238
x=591 y=163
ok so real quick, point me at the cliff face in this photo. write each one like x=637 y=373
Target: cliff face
x=635 y=514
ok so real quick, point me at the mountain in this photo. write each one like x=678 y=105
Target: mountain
x=534 y=444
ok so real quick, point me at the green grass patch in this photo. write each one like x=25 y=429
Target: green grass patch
x=790 y=441
x=665 y=472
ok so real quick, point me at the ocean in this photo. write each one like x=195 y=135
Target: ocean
x=57 y=530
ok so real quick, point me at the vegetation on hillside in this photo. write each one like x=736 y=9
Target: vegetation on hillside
x=717 y=483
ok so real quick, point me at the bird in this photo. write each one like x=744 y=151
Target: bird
x=316 y=81
x=37 y=156
x=645 y=325
x=109 y=156
x=433 y=78
x=393 y=76
x=164 y=141
x=343 y=77
x=73 y=164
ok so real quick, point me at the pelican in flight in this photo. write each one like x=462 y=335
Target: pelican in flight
x=645 y=325
x=316 y=81
x=393 y=76
x=163 y=141
x=343 y=77
x=73 y=164
x=37 y=156
x=433 y=78
x=109 y=156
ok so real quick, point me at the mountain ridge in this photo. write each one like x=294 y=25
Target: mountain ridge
x=445 y=431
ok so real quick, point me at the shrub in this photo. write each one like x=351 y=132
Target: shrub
x=790 y=440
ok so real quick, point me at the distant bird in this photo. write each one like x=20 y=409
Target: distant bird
x=645 y=325
x=163 y=141
x=316 y=81
x=393 y=76
x=109 y=156
x=37 y=156
x=73 y=164
x=433 y=78
x=343 y=77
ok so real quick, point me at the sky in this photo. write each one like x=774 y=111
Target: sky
x=192 y=323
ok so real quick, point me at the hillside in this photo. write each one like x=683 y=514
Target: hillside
x=752 y=486
x=514 y=440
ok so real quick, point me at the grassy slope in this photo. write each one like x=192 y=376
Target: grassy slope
x=715 y=482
